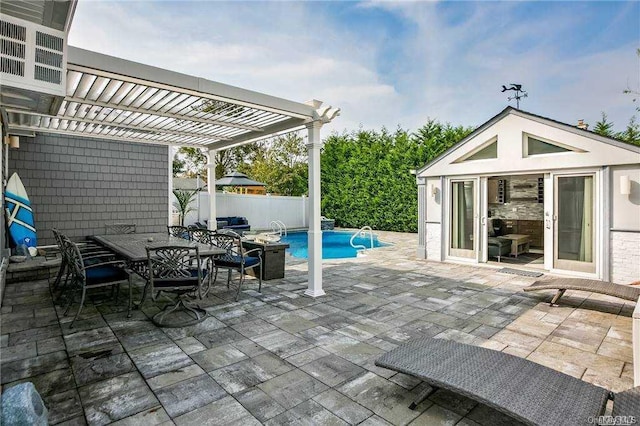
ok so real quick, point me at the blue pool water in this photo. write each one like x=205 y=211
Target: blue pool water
x=335 y=244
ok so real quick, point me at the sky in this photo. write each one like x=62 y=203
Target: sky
x=387 y=63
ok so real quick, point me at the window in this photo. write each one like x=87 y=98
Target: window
x=536 y=147
x=486 y=151
x=539 y=146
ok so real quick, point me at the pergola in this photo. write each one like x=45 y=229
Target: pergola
x=115 y=99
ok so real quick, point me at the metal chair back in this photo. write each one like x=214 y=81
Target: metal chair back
x=174 y=269
x=120 y=228
x=178 y=231
x=203 y=236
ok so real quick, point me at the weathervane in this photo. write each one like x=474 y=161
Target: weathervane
x=518 y=95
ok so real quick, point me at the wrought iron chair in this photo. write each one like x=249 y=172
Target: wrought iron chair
x=101 y=271
x=236 y=258
x=178 y=231
x=176 y=269
x=89 y=251
x=204 y=236
x=120 y=228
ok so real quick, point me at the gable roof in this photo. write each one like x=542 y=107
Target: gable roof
x=538 y=118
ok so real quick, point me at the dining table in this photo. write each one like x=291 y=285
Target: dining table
x=132 y=248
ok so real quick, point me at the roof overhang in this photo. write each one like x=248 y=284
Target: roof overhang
x=117 y=99
x=56 y=14
x=427 y=169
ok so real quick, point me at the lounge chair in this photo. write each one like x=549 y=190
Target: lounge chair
x=528 y=392
x=563 y=284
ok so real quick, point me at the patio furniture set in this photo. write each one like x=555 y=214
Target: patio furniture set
x=182 y=261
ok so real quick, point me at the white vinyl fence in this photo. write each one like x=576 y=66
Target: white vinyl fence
x=259 y=210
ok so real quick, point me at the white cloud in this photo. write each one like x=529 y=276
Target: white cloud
x=448 y=70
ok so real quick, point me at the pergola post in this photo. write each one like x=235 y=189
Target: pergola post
x=315 y=233
x=211 y=185
x=172 y=155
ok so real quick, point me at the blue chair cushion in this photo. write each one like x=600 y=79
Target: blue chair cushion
x=104 y=274
x=235 y=261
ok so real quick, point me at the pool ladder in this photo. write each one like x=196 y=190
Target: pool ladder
x=278 y=226
x=362 y=232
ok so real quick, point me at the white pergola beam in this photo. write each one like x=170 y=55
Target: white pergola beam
x=154 y=131
x=288 y=125
x=160 y=114
x=82 y=60
x=37 y=129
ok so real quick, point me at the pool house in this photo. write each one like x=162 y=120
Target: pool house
x=530 y=191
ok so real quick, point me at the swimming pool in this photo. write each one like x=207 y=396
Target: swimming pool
x=335 y=244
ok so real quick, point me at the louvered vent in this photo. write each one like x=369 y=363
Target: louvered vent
x=14 y=39
x=49 y=51
x=32 y=59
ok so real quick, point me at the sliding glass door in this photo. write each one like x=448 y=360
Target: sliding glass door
x=574 y=248
x=463 y=232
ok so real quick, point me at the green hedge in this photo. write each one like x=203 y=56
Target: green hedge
x=366 y=177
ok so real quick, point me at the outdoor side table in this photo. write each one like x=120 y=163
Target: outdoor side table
x=272 y=259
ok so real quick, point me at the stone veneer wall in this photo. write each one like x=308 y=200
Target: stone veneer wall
x=624 y=256
x=525 y=210
x=79 y=184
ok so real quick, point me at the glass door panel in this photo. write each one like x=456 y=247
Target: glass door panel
x=463 y=224
x=574 y=230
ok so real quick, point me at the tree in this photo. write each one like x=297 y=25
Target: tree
x=190 y=162
x=280 y=163
x=604 y=127
x=366 y=175
x=632 y=133
x=434 y=138
x=184 y=198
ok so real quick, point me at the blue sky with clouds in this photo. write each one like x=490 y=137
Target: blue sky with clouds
x=390 y=63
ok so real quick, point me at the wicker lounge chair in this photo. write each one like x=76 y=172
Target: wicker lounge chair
x=528 y=392
x=563 y=284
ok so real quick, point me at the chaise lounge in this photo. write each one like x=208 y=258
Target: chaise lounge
x=528 y=392
x=603 y=287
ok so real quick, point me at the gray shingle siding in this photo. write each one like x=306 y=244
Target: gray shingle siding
x=77 y=185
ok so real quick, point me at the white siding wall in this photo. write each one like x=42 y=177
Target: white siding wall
x=434 y=241
x=260 y=210
x=625 y=257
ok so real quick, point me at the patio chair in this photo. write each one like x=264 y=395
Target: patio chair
x=120 y=228
x=98 y=271
x=89 y=251
x=178 y=270
x=236 y=258
x=528 y=392
x=203 y=236
x=178 y=231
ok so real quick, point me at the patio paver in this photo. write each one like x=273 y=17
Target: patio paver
x=278 y=357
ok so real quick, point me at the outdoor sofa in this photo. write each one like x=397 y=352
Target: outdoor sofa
x=236 y=223
x=528 y=392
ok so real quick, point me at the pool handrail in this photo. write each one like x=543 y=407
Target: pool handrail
x=362 y=232
x=279 y=227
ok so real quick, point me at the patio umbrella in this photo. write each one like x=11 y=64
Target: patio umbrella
x=237 y=179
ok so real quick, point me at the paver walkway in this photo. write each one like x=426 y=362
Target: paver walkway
x=282 y=358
